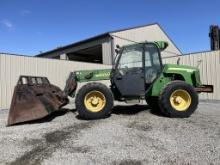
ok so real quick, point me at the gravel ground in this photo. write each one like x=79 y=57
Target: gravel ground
x=132 y=135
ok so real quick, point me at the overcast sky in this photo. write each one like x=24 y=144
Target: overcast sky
x=30 y=26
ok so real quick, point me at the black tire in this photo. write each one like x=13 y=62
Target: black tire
x=165 y=103
x=153 y=103
x=85 y=113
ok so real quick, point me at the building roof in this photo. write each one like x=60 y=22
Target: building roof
x=15 y=54
x=103 y=35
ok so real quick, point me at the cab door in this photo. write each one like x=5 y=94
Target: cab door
x=128 y=75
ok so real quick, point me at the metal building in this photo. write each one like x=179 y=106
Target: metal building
x=100 y=49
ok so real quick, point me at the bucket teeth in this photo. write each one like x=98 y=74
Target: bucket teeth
x=34 y=98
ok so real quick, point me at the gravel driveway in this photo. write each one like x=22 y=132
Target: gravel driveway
x=132 y=135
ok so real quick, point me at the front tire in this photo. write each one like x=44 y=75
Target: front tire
x=94 y=101
x=178 y=99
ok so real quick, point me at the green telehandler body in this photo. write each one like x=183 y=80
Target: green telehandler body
x=137 y=74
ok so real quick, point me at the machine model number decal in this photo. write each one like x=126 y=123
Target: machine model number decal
x=182 y=69
x=102 y=75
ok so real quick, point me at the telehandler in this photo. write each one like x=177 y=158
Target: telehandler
x=137 y=74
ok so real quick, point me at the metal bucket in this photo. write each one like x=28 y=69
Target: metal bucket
x=34 y=98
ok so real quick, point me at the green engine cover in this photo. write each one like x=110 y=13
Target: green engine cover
x=172 y=72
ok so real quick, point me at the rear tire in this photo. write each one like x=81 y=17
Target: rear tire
x=178 y=99
x=153 y=103
x=94 y=101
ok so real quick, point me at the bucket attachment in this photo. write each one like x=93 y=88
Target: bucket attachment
x=34 y=98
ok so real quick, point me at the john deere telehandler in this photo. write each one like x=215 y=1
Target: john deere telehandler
x=137 y=74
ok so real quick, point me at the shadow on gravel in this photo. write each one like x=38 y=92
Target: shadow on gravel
x=129 y=109
x=134 y=109
x=48 y=118
x=118 y=110
x=123 y=110
x=156 y=112
x=128 y=162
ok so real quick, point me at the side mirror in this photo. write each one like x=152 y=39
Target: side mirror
x=118 y=47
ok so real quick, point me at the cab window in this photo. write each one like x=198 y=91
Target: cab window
x=131 y=57
x=152 y=57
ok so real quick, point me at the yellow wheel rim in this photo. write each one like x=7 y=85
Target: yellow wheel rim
x=94 y=101
x=180 y=100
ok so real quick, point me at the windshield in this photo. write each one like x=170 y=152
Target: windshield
x=131 y=57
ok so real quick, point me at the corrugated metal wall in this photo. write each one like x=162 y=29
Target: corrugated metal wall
x=57 y=71
x=107 y=52
x=209 y=66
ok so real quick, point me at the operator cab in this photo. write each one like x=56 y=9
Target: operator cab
x=136 y=67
